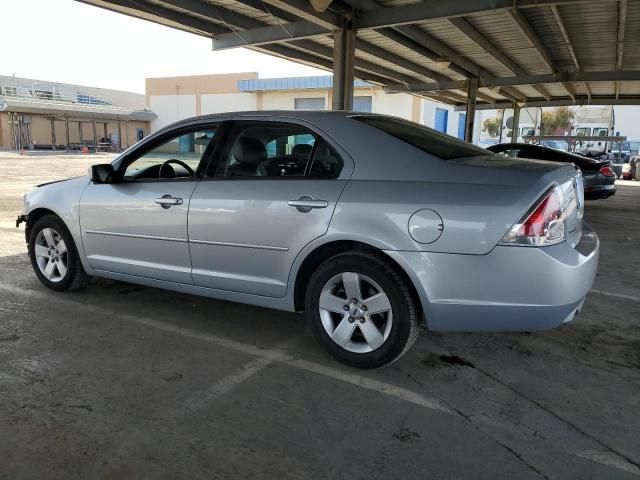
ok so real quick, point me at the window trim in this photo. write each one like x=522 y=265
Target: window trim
x=154 y=142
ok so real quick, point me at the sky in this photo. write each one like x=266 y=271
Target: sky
x=71 y=42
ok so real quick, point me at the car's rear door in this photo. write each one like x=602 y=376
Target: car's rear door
x=272 y=190
x=138 y=225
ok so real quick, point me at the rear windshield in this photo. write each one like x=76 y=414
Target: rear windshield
x=426 y=139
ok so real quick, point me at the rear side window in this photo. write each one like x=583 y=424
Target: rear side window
x=326 y=162
x=426 y=139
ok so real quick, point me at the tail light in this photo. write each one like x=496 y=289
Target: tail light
x=542 y=225
x=607 y=171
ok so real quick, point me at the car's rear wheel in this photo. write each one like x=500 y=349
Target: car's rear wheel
x=362 y=309
x=54 y=256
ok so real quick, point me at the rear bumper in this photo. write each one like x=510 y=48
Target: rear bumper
x=509 y=289
x=599 y=191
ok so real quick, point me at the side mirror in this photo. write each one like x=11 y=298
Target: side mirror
x=102 y=173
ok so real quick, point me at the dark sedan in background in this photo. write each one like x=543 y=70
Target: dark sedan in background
x=598 y=176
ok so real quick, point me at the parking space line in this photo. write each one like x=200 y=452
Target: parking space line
x=265 y=357
x=616 y=295
x=199 y=401
x=610 y=459
x=273 y=355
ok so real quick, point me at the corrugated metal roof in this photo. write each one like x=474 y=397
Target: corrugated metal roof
x=508 y=40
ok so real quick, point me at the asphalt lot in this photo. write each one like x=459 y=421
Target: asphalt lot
x=121 y=381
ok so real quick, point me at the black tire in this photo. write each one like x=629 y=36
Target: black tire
x=406 y=312
x=75 y=277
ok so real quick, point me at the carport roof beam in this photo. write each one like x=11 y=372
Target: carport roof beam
x=478 y=38
x=528 y=31
x=460 y=64
x=558 y=77
x=557 y=102
x=267 y=34
x=418 y=41
x=304 y=10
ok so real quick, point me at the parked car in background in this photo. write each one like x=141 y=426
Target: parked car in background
x=487 y=142
x=620 y=155
x=368 y=223
x=598 y=177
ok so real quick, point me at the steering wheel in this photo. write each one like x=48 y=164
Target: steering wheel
x=176 y=162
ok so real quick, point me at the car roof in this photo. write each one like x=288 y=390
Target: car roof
x=316 y=117
x=298 y=114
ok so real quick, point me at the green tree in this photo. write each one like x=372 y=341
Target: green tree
x=559 y=118
x=491 y=126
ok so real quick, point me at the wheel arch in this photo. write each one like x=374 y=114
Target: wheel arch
x=36 y=214
x=327 y=250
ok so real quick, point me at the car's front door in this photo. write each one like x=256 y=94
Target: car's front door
x=274 y=190
x=138 y=224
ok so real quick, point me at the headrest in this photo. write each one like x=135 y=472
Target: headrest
x=249 y=151
x=302 y=150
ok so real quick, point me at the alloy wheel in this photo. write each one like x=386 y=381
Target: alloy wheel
x=355 y=312
x=51 y=255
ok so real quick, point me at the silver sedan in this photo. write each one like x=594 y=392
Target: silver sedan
x=372 y=225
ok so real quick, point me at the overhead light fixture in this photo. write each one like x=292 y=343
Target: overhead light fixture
x=442 y=63
x=320 y=5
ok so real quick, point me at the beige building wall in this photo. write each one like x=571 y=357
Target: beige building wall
x=228 y=102
x=171 y=108
x=396 y=104
x=5 y=132
x=176 y=98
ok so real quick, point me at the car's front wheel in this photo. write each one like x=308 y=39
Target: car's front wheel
x=54 y=256
x=362 y=310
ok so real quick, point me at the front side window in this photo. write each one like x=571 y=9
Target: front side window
x=426 y=139
x=268 y=150
x=277 y=150
x=175 y=158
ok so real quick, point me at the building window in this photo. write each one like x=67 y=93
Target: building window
x=362 y=104
x=90 y=100
x=309 y=103
x=462 y=122
x=442 y=118
x=10 y=91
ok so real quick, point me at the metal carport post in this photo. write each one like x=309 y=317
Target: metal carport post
x=516 y=122
x=344 y=52
x=469 y=121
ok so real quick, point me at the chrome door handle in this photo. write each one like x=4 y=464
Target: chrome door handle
x=306 y=204
x=166 y=201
